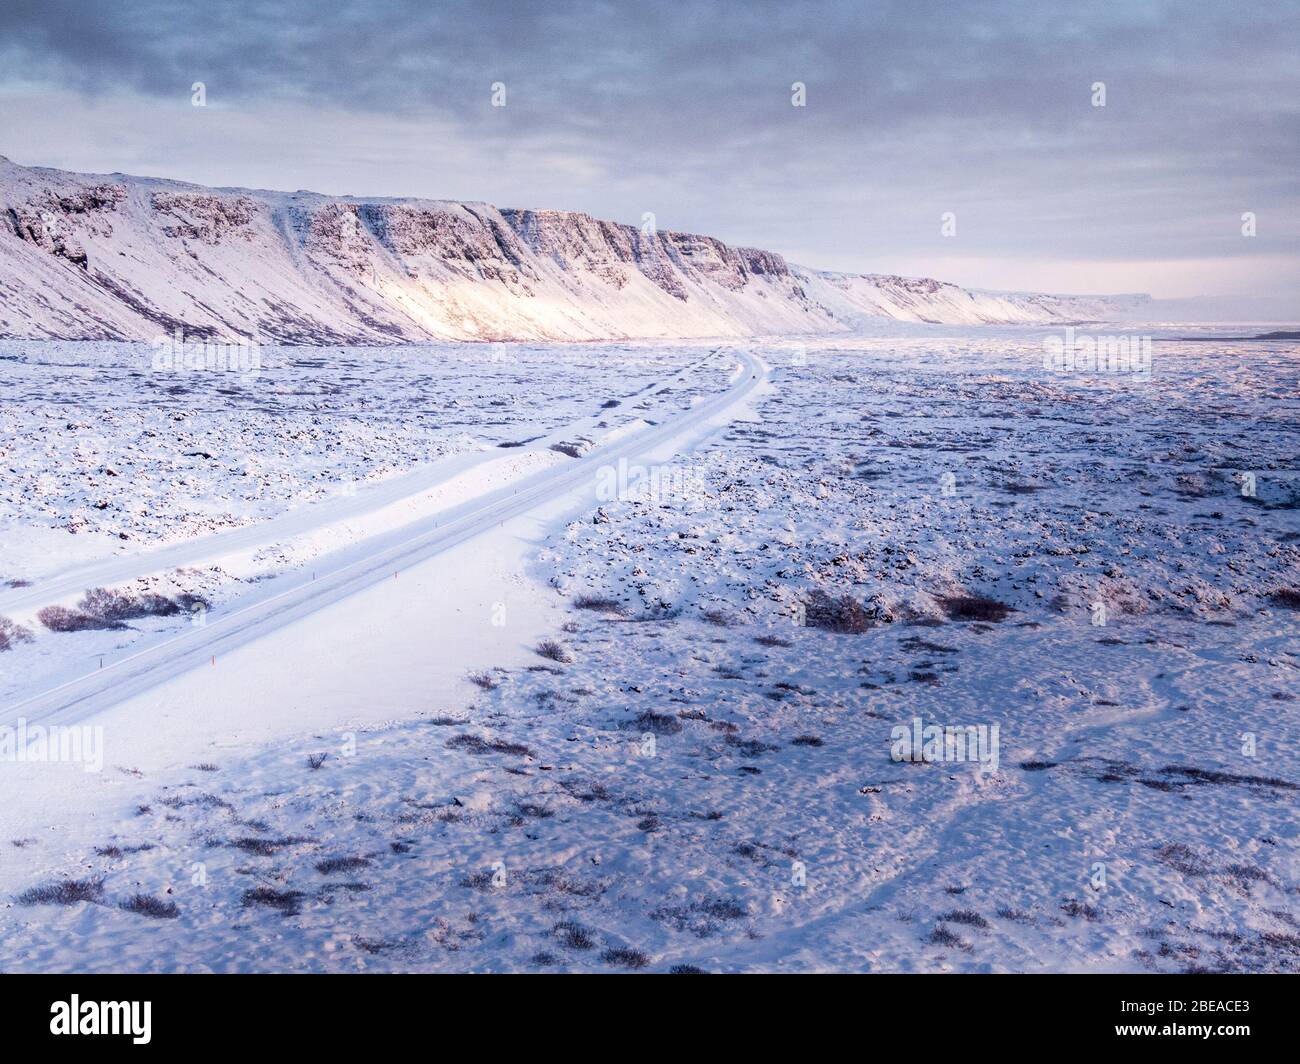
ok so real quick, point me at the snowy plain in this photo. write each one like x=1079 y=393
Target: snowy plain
x=698 y=773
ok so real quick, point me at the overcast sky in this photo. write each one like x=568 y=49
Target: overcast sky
x=683 y=109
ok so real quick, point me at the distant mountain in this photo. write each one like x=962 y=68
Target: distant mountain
x=854 y=297
x=87 y=256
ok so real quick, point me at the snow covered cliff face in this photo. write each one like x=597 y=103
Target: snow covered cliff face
x=118 y=257
x=854 y=297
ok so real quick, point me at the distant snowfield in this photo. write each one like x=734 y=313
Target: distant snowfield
x=705 y=781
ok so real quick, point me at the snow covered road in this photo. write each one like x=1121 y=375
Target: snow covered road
x=356 y=503
x=343 y=573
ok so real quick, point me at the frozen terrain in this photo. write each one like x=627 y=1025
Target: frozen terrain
x=652 y=728
x=93 y=256
x=202 y=487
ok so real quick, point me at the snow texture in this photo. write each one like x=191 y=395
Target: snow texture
x=678 y=752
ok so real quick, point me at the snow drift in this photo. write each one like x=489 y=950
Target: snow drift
x=118 y=257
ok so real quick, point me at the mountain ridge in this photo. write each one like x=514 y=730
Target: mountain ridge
x=121 y=257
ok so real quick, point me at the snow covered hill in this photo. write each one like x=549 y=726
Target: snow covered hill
x=118 y=257
x=856 y=297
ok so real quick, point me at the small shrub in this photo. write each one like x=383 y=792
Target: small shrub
x=64 y=892
x=106 y=604
x=207 y=801
x=285 y=900
x=625 y=958
x=477 y=881
x=657 y=613
x=1244 y=875
x=1182 y=858
x=12 y=634
x=599 y=603
x=588 y=792
x=943 y=936
x=766 y=641
x=314 y=761
x=845 y=614
x=103 y=608
x=331 y=865
x=189 y=603
x=701 y=918
x=554 y=651
x=148 y=905
x=658 y=723
x=62 y=619
x=572 y=935
x=686 y=969
x=475 y=745
x=975 y=608
x=719 y=617
x=1280 y=939
x=1287 y=597
x=969 y=917
x=264 y=847
x=483 y=680
x=114 y=605
x=750 y=747
x=807 y=740
x=721 y=908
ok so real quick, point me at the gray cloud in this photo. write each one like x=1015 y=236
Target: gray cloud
x=913 y=109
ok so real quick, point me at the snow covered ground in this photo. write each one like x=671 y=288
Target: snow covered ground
x=207 y=485
x=656 y=726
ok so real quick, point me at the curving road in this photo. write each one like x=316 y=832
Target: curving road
x=111 y=572
x=347 y=572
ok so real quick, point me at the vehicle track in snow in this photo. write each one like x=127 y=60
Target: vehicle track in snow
x=345 y=572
